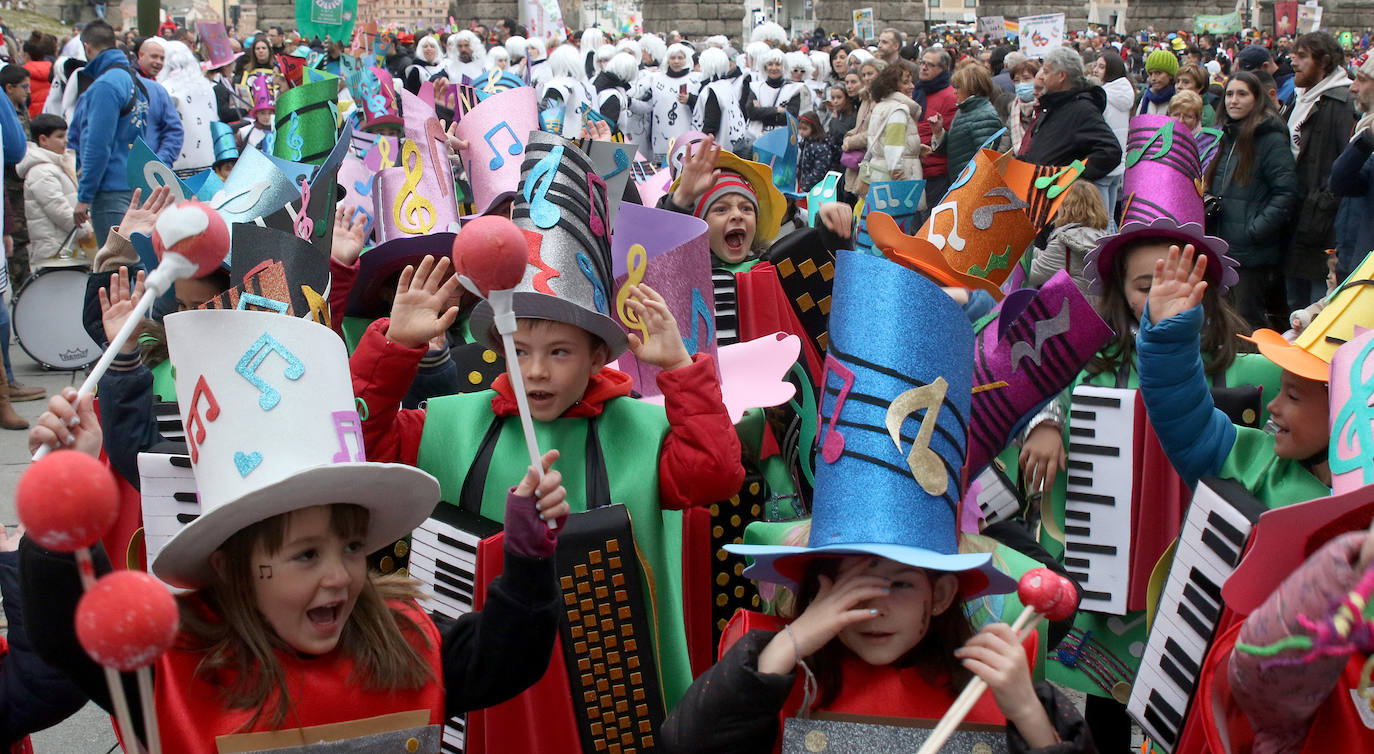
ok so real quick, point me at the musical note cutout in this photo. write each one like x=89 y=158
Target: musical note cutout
x=1060 y=186
x=1044 y=330
x=195 y=423
x=964 y=177
x=543 y=212
x=413 y=213
x=1164 y=135
x=597 y=220
x=497 y=160
x=1354 y=424
x=953 y=239
x=304 y=225
x=700 y=313
x=622 y=163
x=545 y=274
x=158 y=175
x=253 y=358
x=984 y=216
x=319 y=307
x=262 y=303
x=294 y=142
x=883 y=199
x=434 y=134
x=832 y=442
x=584 y=263
x=995 y=262
x=637 y=260
x=383 y=148
x=346 y=424
x=926 y=465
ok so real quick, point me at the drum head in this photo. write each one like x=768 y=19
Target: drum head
x=47 y=319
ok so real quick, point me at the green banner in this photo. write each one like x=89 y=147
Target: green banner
x=326 y=18
x=1225 y=23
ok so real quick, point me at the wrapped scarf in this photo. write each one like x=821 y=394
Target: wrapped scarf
x=929 y=87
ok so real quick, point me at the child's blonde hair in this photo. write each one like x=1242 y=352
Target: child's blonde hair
x=1083 y=205
x=239 y=647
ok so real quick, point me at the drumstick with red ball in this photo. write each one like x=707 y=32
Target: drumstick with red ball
x=191 y=240
x=125 y=622
x=1044 y=593
x=67 y=501
x=489 y=257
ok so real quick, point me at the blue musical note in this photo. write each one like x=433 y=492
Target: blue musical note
x=253 y=358
x=700 y=313
x=515 y=148
x=1354 y=424
x=622 y=163
x=543 y=212
x=584 y=263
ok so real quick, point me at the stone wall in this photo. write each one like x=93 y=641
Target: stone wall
x=1172 y=15
x=1075 y=13
x=1337 y=15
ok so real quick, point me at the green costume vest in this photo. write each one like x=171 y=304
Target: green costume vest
x=630 y=435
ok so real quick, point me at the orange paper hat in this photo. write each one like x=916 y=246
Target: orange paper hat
x=977 y=233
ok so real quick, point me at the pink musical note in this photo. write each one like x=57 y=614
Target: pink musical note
x=197 y=436
x=497 y=160
x=347 y=423
x=304 y=225
x=598 y=221
x=832 y=446
x=434 y=132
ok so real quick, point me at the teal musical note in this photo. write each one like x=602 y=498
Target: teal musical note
x=622 y=163
x=543 y=212
x=700 y=313
x=253 y=358
x=516 y=147
x=1354 y=425
x=294 y=142
x=584 y=263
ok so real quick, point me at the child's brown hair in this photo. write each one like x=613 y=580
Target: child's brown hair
x=239 y=647
x=1083 y=205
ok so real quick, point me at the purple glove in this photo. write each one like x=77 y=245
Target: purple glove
x=526 y=533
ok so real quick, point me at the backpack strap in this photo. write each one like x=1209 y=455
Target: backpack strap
x=139 y=88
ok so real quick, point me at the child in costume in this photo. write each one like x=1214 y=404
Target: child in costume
x=1081 y=223
x=813 y=162
x=654 y=463
x=259 y=129
x=285 y=630
x=879 y=615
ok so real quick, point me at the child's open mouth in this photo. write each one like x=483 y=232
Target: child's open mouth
x=734 y=240
x=325 y=617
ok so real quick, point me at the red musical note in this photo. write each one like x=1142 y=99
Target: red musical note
x=197 y=435
x=435 y=134
x=347 y=423
x=598 y=220
x=546 y=273
x=832 y=446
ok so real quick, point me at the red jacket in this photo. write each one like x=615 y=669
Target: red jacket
x=698 y=464
x=941 y=102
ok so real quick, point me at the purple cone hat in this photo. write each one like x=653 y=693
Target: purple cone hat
x=1162 y=198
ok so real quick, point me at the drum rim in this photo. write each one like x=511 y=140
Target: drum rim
x=14 y=321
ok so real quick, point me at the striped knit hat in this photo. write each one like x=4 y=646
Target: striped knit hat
x=728 y=182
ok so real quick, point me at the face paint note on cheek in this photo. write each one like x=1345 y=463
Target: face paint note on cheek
x=264 y=572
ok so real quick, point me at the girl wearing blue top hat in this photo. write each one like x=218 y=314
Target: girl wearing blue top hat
x=878 y=626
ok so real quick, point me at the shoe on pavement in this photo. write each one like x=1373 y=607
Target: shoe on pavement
x=21 y=392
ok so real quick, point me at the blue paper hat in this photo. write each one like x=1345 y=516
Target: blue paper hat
x=894 y=413
x=778 y=150
x=222 y=138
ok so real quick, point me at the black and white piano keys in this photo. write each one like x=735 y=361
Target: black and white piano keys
x=168 y=417
x=724 y=289
x=997 y=497
x=169 y=499
x=1216 y=527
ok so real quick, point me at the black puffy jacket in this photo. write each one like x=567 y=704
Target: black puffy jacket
x=1254 y=215
x=1071 y=127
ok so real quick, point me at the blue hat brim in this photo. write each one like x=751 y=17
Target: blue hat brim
x=781 y=564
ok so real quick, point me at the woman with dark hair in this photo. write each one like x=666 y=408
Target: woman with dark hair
x=1254 y=186
x=1110 y=69
x=844 y=114
x=839 y=63
x=894 y=145
x=258 y=62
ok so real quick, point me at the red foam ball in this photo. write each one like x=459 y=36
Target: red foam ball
x=67 y=500
x=1067 y=602
x=194 y=230
x=1040 y=588
x=127 y=620
x=492 y=252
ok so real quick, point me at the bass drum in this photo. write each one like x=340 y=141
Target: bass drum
x=47 y=318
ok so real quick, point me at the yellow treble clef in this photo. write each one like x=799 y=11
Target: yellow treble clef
x=409 y=207
x=638 y=261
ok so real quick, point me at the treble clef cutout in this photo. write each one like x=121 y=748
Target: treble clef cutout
x=304 y=225
x=413 y=213
x=926 y=465
x=434 y=132
x=1354 y=424
x=597 y=221
x=637 y=261
x=294 y=142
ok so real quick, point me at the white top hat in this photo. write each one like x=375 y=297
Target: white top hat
x=272 y=427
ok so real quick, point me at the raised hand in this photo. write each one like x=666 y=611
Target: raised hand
x=139 y=218
x=698 y=172
x=597 y=130
x=420 y=310
x=663 y=345
x=67 y=425
x=117 y=302
x=838 y=217
x=838 y=605
x=349 y=236
x=1177 y=285
x=454 y=143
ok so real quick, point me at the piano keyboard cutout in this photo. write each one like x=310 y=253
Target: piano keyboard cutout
x=727 y=307
x=730 y=589
x=1215 y=531
x=168 y=417
x=443 y=556
x=1097 y=503
x=168 y=491
x=997 y=498
x=607 y=637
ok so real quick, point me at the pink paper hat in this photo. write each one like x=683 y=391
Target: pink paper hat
x=377 y=97
x=219 y=50
x=262 y=96
x=1351 y=452
x=417 y=196
x=1163 y=199
x=496 y=131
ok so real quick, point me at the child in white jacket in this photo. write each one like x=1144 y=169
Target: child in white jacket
x=49 y=188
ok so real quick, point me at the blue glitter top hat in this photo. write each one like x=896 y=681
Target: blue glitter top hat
x=223 y=139
x=894 y=422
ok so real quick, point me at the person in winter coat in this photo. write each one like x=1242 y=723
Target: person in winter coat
x=1025 y=107
x=164 y=132
x=1160 y=66
x=813 y=158
x=935 y=96
x=975 y=122
x=856 y=141
x=40 y=49
x=844 y=113
x=1110 y=69
x=1320 y=119
x=1079 y=226
x=1070 y=125
x=429 y=63
x=562 y=96
x=49 y=188
x=1352 y=177
x=612 y=89
x=1253 y=178
x=1194 y=78
x=894 y=141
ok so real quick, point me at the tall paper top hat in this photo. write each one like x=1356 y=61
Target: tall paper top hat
x=778 y=150
x=377 y=97
x=222 y=135
x=496 y=131
x=1310 y=355
x=307 y=116
x=1162 y=194
x=893 y=415
x=562 y=206
x=262 y=95
x=272 y=428
x=977 y=232
x=417 y=197
x=1351 y=451
x=772 y=205
x=306 y=265
x=219 y=51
